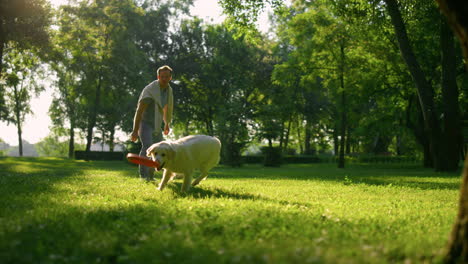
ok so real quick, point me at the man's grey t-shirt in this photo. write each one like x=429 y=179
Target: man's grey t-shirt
x=148 y=115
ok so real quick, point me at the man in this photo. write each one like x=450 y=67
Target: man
x=155 y=105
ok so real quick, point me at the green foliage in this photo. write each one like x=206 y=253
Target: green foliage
x=55 y=144
x=245 y=13
x=99 y=155
x=231 y=81
x=22 y=82
x=24 y=28
x=377 y=83
x=217 y=88
x=132 y=147
x=51 y=147
x=353 y=159
x=106 y=53
x=59 y=210
x=270 y=121
x=3 y=152
x=273 y=156
x=26 y=22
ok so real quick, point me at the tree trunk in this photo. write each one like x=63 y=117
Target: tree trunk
x=71 y=141
x=301 y=148
x=210 y=126
x=418 y=131
x=452 y=127
x=2 y=42
x=281 y=135
x=455 y=11
x=399 y=152
x=307 y=137
x=348 y=141
x=111 y=139
x=288 y=131
x=18 y=120
x=457 y=249
x=93 y=115
x=20 y=139
x=425 y=90
x=70 y=108
x=3 y=110
x=341 y=159
x=209 y=123
x=336 y=143
x=423 y=139
x=381 y=145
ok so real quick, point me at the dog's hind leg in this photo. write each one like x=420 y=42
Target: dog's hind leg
x=166 y=177
x=187 y=180
x=202 y=177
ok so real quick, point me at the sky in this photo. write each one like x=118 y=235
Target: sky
x=36 y=125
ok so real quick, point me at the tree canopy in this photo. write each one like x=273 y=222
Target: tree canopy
x=339 y=78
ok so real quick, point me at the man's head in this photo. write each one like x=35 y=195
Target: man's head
x=164 y=75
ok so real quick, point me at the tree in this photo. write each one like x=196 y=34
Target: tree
x=327 y=59
x=124 y=75
x=221 y=71
x=455 y=11
x=55 y=144
x=246 y=12
x=20 y=85
x=23 y=25
x=65 y=104
x=108 y=50
x=438 y=140
x=189 y=55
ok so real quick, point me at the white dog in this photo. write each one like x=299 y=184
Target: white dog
x=185 y=155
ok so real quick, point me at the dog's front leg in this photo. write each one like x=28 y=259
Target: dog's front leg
x=187 y=181
x=166 y=176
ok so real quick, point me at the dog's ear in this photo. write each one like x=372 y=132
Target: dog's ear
x=150 y=150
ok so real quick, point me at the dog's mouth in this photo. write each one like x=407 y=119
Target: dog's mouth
x=160 y=167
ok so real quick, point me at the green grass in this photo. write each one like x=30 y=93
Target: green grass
x=66 y=211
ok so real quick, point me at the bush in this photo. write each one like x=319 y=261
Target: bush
x=273 y=156
x=293 y=159
x=132 y=147
x=385 y=159
x=253 y=159
x=298 y=159
x=232 y=155
x=99 y=155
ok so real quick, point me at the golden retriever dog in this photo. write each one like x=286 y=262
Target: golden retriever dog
x=184 y=156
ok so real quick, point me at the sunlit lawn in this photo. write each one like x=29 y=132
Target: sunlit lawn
x=66 y=211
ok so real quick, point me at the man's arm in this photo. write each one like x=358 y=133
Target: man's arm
x=141 y=107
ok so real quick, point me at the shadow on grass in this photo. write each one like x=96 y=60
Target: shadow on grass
x=416 y=184
x=201 y=193
x=171 y=233
x=149 y=233
x=402 y=175
x=198 y=192
x=22 y=179
x=31 y=172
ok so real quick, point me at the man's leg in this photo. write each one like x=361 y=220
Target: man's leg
x=146 y=139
